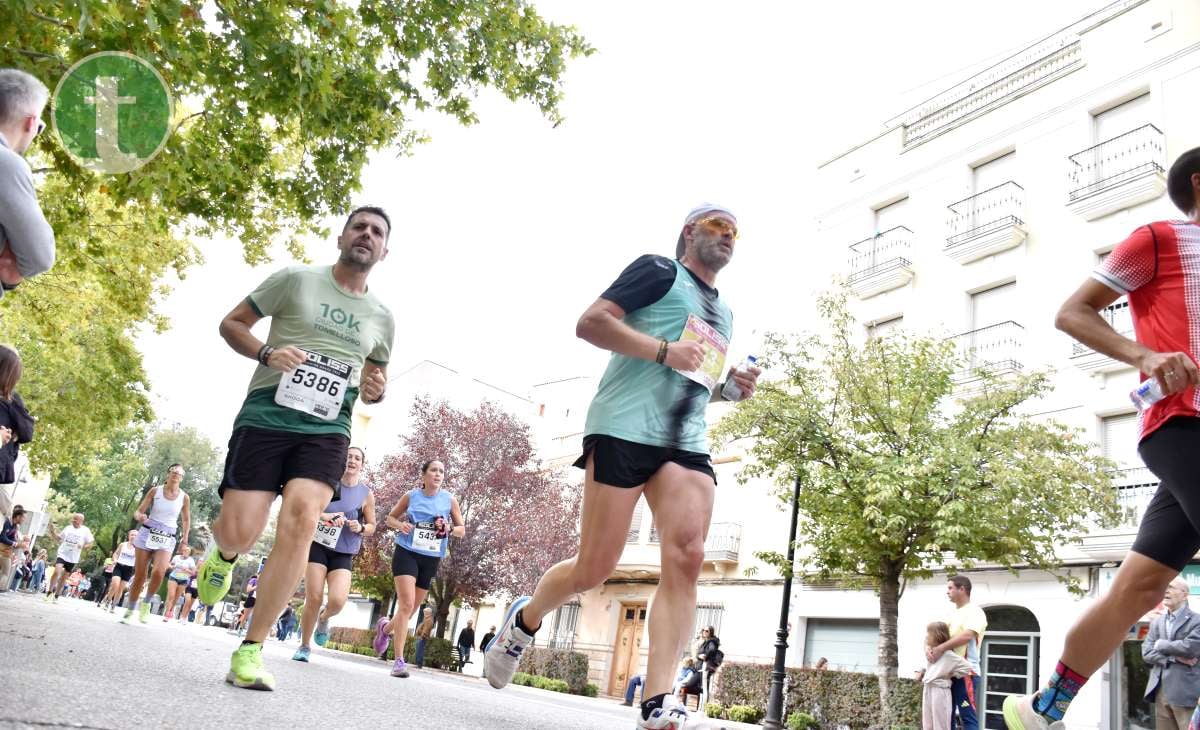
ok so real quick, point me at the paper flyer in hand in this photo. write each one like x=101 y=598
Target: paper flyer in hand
x=715 y=347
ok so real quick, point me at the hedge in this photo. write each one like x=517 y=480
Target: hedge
x=569 y=666
x=834 y=698
x=359 y=641
x=531 y=680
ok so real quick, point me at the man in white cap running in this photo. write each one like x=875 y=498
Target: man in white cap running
x=668 y=330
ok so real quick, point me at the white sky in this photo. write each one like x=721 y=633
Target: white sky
x=505 y=231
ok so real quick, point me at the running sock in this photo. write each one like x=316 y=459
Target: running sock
x=228 y=560
x=652 y=704
x=1053 y=701
x=247 y=641
x=521 y=623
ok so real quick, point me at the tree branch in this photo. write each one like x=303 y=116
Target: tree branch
x=55 y=21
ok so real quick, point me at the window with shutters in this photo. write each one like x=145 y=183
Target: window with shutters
x=562 y=635
x=884 y=327
x=847 y=644
x=709 y=614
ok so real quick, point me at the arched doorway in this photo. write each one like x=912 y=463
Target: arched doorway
x=1009 y=656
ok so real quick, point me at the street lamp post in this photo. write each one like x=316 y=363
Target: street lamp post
x=773 y=720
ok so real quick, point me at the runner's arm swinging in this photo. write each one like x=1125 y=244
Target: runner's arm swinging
x=374 y=383
x=602 y=325
x=186 y=513
x=367 y=525
x=393 y=520
x=460 y=527
x=139 y=514
x=235 y=330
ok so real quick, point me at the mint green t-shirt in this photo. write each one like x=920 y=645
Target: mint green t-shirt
x=309 y=310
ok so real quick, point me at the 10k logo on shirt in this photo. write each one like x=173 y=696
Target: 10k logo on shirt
x=112 y=112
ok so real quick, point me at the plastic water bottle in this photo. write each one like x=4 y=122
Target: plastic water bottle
x=731 y=391
x=1146 y=394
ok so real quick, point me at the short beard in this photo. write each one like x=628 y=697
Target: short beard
x=347 y=260
x=707 y=250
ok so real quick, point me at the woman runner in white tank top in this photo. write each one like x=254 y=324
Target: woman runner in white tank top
x=158 y=513
x=124 y=558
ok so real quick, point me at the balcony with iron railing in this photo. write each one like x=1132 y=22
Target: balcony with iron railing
x=1120 y=318
x=881 y=263
x=1118 y=173
x=1135 y=488
x=986 y=223
x=996 y=350
x=723 y=543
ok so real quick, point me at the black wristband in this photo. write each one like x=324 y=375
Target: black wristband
x=264 y=354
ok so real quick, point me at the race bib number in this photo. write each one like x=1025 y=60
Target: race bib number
x=425 y=537
x=156 y=540
x=715 y=346
x=327 y=535
x=317 y=387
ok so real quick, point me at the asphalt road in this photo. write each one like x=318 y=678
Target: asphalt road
x=69 y=664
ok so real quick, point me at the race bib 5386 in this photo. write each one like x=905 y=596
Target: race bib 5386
x=316 y=387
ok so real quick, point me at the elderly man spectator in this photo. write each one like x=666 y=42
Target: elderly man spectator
x=1172 y=648
x=26 y=239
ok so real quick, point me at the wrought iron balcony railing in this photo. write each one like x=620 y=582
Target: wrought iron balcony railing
x=1118 y=316
x=723 y=543
x=1116 y=161
x=992 y=210
x=996 y=348
x=872 y=255
x=1135 y=488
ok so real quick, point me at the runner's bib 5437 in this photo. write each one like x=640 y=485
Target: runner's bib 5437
x=316 y=387
x=425 y=537
x=158 y=540
x=327 y=535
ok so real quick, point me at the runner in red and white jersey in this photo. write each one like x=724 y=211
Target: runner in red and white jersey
x=1158 y=268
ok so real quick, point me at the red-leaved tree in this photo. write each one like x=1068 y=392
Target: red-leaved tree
x=520 y=518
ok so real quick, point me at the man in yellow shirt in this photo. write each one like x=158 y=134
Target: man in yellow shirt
x=968 y=624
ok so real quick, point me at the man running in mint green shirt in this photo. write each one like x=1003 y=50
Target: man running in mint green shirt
x=329 y=343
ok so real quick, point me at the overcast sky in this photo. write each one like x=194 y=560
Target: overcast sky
x=505 y=231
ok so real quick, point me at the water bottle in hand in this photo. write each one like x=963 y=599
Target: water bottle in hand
x=731 y=391
x=1147 y=394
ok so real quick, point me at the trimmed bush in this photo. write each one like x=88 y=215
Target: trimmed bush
x=521 y=679
x=715 y=711
x=744 y=713
x=802 y=721
x=591 y=690
x=833 y=698
x=569 y=666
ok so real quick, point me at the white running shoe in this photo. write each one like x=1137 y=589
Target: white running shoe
x=1020 y=715
x=671 y=716
x=502 y=655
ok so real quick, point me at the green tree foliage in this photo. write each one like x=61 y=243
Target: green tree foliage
x=279 y=104
x=900 y=476
x=107 y=488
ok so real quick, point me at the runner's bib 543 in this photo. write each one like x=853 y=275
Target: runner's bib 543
x=316 y=387
x=327 y=535
x=425 y=537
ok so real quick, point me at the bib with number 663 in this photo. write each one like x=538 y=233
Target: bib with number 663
x=315 y=387
x=327 y=535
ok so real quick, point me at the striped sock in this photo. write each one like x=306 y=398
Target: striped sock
x=1053 y=701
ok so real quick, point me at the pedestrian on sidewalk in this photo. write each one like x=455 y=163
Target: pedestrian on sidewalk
x=10 y=538
x=1172 y=648
x=967 y=623
x=424 y=631
x=466 y=639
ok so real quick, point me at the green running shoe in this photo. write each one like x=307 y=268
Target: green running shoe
x=246 y=669
x=215 y=578
x=128 y=616
x=144 y=612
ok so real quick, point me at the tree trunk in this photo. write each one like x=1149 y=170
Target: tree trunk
x=889 y=609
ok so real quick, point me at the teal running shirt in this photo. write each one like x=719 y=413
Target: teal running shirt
x=642 y=401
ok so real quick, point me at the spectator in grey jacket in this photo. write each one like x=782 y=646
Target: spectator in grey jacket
x=1171 y=648
x=26 y=239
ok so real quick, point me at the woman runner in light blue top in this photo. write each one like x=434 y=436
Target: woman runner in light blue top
x=424 y=520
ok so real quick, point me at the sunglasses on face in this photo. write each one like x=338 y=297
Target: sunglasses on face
x=719 y=225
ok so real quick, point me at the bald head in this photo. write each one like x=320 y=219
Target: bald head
x=1176 y=594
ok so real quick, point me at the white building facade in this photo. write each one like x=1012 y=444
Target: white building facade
x=976 y=214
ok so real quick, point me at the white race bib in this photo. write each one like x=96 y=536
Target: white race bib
x=327 y=535
x=425 y=537
x=317 y=387
x=156 y=540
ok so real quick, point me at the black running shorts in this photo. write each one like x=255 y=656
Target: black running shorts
x=250 y=602
x=193 y=591
x=627 y=464
x=422 y=567
x=332 y=560
x=1168 y=532
x=124 y=572
x=260 y=459
x=67 y=566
